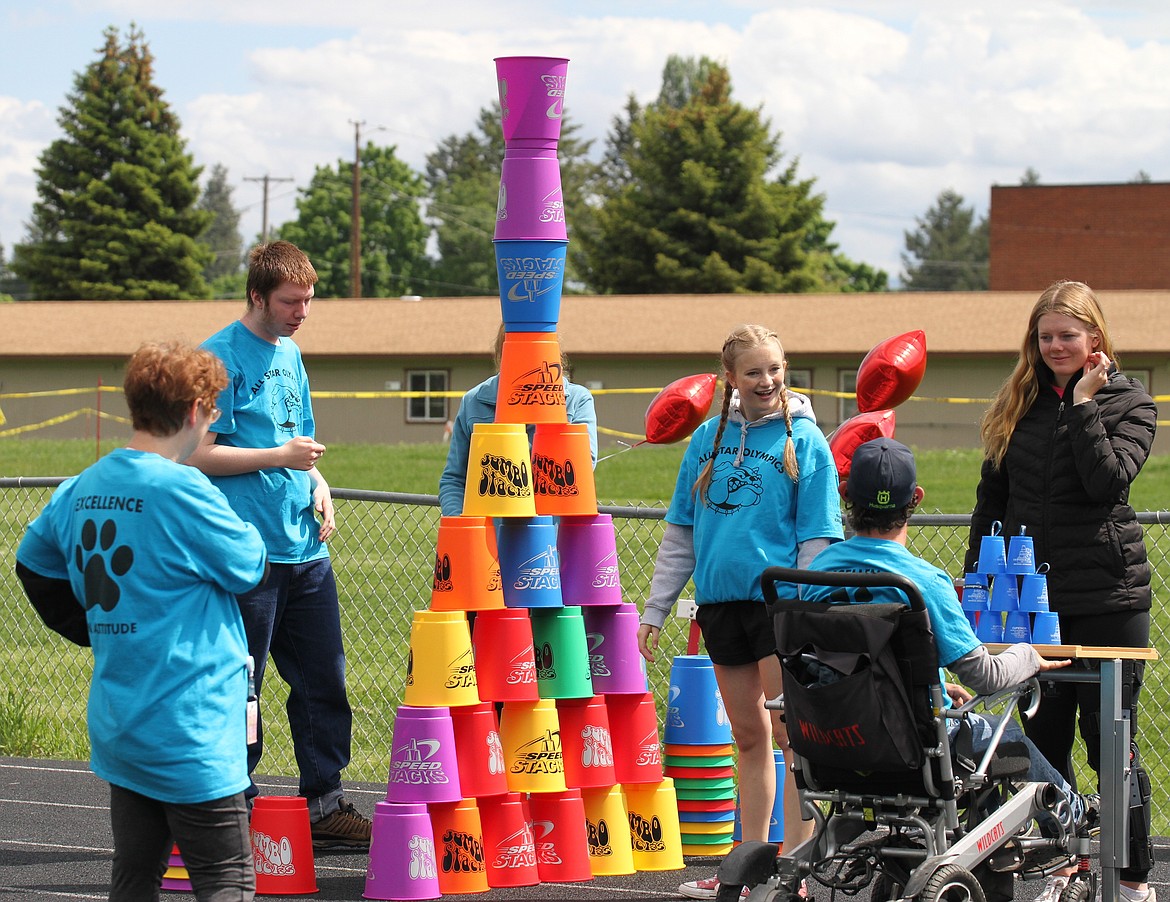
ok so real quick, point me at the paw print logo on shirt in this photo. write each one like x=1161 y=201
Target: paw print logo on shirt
x=99 y=561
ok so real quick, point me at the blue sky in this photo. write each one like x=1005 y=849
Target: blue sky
x=884 y=102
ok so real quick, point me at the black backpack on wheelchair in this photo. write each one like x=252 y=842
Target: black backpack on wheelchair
x=897 y=802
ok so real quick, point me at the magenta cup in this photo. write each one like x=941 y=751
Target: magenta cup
x=615 y=663
x=532 y=97
x=529 y=565
x=695 y=714
x=530 y=206
x=1046 y=628
x=402 y=853
x=532 y=274
x=423 y=764
x=589 y=562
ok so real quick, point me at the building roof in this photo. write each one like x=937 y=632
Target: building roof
x=661 y=325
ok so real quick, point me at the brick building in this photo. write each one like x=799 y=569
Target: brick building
x=1109 y=236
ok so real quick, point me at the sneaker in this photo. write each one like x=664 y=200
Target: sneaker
x=1133 y=895
x=706 y=889
x=1052 y=889
x=344 y=829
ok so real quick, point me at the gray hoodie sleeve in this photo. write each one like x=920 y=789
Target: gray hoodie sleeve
x=672 y=568
x=984 y=672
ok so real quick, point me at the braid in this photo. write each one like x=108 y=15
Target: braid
x=791 y=467
x=704 y=480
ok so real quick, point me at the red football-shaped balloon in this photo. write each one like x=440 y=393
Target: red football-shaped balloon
x=890 y=372
x=856 y=431
x=678 y=409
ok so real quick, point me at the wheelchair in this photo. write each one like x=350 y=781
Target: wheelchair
x=899 y=806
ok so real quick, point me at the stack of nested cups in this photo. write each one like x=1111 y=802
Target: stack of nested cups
x=699 y=756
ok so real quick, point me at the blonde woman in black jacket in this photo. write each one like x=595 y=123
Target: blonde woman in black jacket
x=1063 y=440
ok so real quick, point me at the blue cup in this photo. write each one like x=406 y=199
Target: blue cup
x=1021 y=555
x=1046 y=629
x=532 y=277
x=1005 y=593
x=1034 y=591
x=1016 y=627
x=695 y=714
x=990 y=628
x=992 y=552
x=975 y=594
x=530 y=569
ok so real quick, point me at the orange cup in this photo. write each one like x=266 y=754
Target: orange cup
x=467 y=567
x=562 y=470
x=459 y=852
x=532 y=380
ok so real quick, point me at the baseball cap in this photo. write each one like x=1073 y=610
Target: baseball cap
x=882 y=475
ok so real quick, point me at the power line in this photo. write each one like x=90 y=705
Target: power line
x=266 y=179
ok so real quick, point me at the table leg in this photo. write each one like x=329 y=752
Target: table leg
x=1114 y=776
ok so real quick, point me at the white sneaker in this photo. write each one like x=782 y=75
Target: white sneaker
x=706 y=889
x=1132 y=895
x=1052 y=889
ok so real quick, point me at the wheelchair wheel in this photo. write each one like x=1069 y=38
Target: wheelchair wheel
x=885 y=888
x=952 y=883
x=728 y=892
x=1080 y=890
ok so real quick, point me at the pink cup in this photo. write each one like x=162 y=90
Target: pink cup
x=589 y=564
x=615 y=663
x=530 y=205
x=402 y=854
x=423 y=765
x=532 y=96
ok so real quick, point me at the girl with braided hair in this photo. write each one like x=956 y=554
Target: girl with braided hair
x=757 y=487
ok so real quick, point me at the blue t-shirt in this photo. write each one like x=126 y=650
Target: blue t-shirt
x=952 y=631
x=265 y=404
x=755 y=515
x=156 y=555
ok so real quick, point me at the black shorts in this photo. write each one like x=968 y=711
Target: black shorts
x=736 y=632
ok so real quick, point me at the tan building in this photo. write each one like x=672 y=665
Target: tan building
x=363 y=354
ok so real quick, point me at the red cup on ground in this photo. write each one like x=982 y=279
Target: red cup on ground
x=508 y=845
x=505 y=664
x=532 y=97
x=560 y=836
x=282 y=846
x=637 y=753
x=402 y=854
x=480 y=753
x=586 y=745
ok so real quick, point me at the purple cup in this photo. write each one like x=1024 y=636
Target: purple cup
x=402 y=853
x=589 y=565
x=423 y=766
x=615 y=663
x=532 y=97
x=530 y=206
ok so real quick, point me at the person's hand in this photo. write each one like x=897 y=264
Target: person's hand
x=1045 y=664
x=1093 y=378
x=647 y=640
x=301 y=453
x=323 y=505
x=959 y=695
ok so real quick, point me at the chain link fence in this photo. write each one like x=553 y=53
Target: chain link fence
x=383 y=556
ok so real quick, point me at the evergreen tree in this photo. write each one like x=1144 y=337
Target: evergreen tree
x=116 y=215
x=949 y=251
x=698 y=210
x=393 y=235
x=463 y=175
x=223 y=237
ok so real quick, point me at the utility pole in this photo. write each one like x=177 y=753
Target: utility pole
x=266 y=179
x=355 y=235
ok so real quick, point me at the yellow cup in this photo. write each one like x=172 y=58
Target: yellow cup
x=607 y=823
x=499 y=472
x=441 y=668
x=654 y=831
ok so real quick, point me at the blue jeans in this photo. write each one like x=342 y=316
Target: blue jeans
x=294 y=616
x=212 y=838
x=1040 y=769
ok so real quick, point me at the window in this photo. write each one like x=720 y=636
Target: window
x=1142 y=376
x=426 y=408
x=798 y=379
x=847 y=383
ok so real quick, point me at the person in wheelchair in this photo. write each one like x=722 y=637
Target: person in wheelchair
x=881 y=495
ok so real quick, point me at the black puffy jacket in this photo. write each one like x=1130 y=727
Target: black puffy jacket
x=1066 y=478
